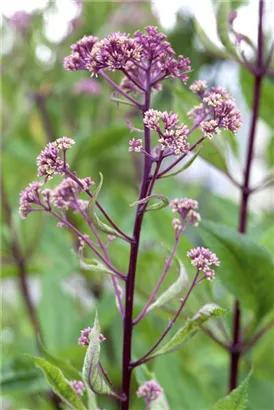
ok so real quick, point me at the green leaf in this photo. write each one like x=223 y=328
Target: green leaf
x=212 y=154
x=208 y=44
x=246 y=268
x=267 y=92
x=174 y=290
x=63 y=365
x=59 y=384
x=237 y=399
x=155 y=207
x=97 y=222
x=223 y=27
x=93 y=265
x=92 y=374
x=191 y=327
x=185 y=166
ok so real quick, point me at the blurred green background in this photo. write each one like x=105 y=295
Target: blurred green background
x=42 y=102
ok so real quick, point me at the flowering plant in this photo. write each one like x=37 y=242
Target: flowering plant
x=146 y=60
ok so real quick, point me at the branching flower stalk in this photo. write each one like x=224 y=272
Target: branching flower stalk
x=145 y=60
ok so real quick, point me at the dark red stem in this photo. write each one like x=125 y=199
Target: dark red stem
x=235 y=349
x=129 y=295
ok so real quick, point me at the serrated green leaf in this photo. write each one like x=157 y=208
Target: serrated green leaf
x=208 y=44
x=191 y=327
x=246 y=268
x=92 y=374
x=93 y=216
x=174 y=290
x=185 y=166
x=237 y=399
x=63 y=365
x=59 y=384
x=155 y=207
x=223 y=27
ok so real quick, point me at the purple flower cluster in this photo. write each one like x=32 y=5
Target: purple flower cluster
x=217 y=111
x=66 y=194
x=84 y=337
x=150 y=391
x=134 y=56
x=171 y=135
x=78 y=387
x=202 y=259
x=49 y=162
x=187 y=209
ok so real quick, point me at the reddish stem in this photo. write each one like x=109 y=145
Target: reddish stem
x=235 y=351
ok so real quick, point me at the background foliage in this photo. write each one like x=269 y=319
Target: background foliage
x=40 y=104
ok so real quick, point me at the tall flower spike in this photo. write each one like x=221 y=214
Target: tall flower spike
x=202 y=259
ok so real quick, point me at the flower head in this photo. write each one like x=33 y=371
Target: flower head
x=81 y=54
x=198 y=87
x=150 y=391
x=20 y=20
x=172 y=136
x=187 y=209
x=49 y=162
x=66 y=194
x=130 y=54
x=135 y=145
x=78 y=387
x=30 y=195
x=202 y=259
x=84 y=337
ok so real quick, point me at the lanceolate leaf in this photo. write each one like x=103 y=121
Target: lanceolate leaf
x=93 y=266
x=92 y=374
x=223 y=27
x=154 y=207
x=63 y=365
x=97 y=222
x=237 y=399
x=59 y=384
x=246 y=268
x=174 y=290
x=191 y=327
x=212 y=154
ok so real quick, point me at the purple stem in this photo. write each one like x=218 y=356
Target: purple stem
x=74 y=178
x=87 y=241
x=160 y=281
x=146 y=357
x=105 y=252
x=257 y=336
x=119 y=89
x=130 y=283
x=235 y=352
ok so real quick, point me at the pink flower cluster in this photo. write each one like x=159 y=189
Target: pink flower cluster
x=49 y=162
x=65 y=195
x=84 y=337
x=202 y=259
x=172 y=136
x=150 y=391
x=78 y=387
x=134 y=56
x=187 y=209
x=217 y=111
